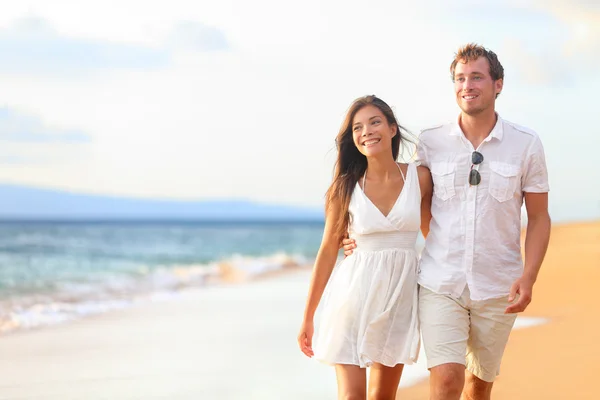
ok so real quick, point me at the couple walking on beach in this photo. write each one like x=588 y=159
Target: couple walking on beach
x=465 y=196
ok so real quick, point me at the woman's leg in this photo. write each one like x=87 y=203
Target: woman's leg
x=351 y=381
x=384 y=381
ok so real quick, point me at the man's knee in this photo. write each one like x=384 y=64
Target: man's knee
x=447 y=381
x=449 y=385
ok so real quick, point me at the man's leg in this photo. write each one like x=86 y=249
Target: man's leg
x=490 y=329
x=445 y=327
x=446 y=381
x=475 y=388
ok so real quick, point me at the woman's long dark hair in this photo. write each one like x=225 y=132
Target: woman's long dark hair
x=351 y=164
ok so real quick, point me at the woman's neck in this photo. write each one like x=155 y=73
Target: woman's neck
x=381 y=168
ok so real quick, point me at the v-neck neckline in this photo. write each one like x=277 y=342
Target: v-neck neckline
x=404 y=180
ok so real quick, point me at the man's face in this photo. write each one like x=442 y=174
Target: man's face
x=475 y=90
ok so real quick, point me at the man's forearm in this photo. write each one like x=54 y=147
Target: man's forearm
x=536 y=244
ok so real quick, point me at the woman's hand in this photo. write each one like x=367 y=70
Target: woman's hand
x=305 y=338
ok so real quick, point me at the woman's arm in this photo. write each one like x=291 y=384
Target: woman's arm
x=326 y=258
x=426 y=184
x=324 y=263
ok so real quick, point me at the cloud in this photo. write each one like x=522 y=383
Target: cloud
x=539 y=42
x=12 y=159
x=581 y=46
x=20 y=128
x=570 y=49
x=32 y=45
x=535 y=65
x=257 y=118
x=196 y=36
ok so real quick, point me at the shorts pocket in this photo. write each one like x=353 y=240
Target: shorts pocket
x=503 y=180
x=443 y=174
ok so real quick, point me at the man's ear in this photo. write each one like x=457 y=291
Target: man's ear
x=499 y=84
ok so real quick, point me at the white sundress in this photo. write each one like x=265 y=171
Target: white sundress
x=369 y=309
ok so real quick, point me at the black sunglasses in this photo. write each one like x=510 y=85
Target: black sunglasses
x=474 y=175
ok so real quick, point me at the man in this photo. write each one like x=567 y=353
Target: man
x=472 y=278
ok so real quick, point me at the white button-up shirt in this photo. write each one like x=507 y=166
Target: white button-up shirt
x=475 y=231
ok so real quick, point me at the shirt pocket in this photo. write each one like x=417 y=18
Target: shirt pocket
x=443 y=174
x=503 y=180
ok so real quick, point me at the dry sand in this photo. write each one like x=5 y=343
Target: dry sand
x=558 y=360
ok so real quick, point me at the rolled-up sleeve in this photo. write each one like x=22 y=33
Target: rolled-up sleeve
x=535 y=175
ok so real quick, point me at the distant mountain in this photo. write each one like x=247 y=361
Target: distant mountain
x=22 y=202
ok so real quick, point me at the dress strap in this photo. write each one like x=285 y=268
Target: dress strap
x=401 y=173
x=399 y=169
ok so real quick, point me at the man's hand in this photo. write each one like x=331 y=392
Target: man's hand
x=524 y=287
x=349 y=246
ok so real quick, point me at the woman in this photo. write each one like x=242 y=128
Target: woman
x=369 y=317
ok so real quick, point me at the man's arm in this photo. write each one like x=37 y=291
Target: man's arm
x=538 y=233
x=536 y=243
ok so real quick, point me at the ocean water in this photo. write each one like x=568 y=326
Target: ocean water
x=52 y=272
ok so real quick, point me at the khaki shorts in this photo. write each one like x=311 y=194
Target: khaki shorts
x=471 y=333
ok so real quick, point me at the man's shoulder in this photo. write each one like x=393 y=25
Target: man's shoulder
x=435 y=130
x=521 y=129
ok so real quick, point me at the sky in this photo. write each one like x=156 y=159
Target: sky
x=237 y=99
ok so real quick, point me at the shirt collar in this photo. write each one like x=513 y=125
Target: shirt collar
x=497 y=132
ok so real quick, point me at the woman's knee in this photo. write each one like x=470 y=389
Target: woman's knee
x=352 y=383
x=355 y=395
x=379 y=393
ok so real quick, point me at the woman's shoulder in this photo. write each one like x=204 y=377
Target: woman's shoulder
x=414 y=165
x=404 y=167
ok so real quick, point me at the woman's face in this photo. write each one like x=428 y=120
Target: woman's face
x=371 y=131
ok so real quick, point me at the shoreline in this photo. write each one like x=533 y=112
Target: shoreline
x=41 y=310
x=197 y=342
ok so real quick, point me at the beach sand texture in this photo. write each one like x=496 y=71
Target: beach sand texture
x=238 y=341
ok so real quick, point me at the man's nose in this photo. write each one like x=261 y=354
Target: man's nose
x=467 y=84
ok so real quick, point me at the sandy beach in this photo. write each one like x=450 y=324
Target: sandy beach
x=557 y=360
x=237 y=341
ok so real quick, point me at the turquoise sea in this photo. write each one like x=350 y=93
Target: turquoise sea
x=52 y=272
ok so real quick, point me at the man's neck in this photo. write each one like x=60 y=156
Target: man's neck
x=477 y=127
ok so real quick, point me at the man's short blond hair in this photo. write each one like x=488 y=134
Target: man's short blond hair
x=472 y=52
